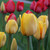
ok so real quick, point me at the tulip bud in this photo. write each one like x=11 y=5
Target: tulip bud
x=28 y=11
x=6 y=17
x=11 y=26
x=2 y=7
x=2 y=39
x=14 y=44
x=28 y=24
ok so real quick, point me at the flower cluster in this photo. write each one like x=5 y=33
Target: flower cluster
x=31 y=25
x=39 y=6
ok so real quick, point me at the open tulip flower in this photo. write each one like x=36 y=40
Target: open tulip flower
x=19 y=6
x=2 y=39
x=28 y=24
x=10 y=6
x=11 y=26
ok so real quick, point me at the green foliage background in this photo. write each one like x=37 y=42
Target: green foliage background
x=22 y=40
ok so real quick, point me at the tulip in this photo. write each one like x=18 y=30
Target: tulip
x=47 y=2
x=38 y=7
x=6 y=17
x=44 y=18
x=11 y=16
x=33 y=5
x=11 y=27
x=28 y=11
x=20 y=6
x=28 y=24
x=2 y=7
x=44 y=7
x=10 y=6
x=2 y=39
x=14 y=44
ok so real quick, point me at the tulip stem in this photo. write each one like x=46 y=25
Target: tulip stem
x=9 y=41
x=38 y=47
x=43 y=43
x=0 y=48
x=3 y=23
x=28 y=42
x=46 y=44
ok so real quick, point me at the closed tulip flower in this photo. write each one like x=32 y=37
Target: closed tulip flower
x=11 y=26
x=10 y=6
x=6 y=17
x=2 y=39
x=12 y=16
x=20 y=6
x=38 y=7
x=28 y=11
x=14 y=44
x=43 y=24
x=28 y=24
x=44 y=18
x=33 y=5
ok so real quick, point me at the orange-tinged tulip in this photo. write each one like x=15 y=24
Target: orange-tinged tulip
x=2 y=39
x=11 y=26
x=37 y=33
x=28 y=24
x=44 y=19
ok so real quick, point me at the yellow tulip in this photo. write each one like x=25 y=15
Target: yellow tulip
x=6 y=17
x=14 y=44
x=37 y=33
x=11 y=26
x=2 y=6
x=28 y=24
x=44 y=19
x=2 y=39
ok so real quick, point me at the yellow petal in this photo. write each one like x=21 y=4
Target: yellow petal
x=28 y=24
x=2 y=39
x=14 y=44
x=11 y=26
x=2 y=6
x=6 y=17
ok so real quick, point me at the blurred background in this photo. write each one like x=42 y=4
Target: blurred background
x=22 y=40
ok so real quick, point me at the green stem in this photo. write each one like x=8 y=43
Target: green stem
x=3 y=23
x=38 y=47
x=9 y=41
x=43 y=44
x=31 y=46
x=28 y=42
x=0 y=48
x=46 y=44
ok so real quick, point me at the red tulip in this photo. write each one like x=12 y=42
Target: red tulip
x=44 y=7
x=33 y=5
x=12 y=16
x=28 y=11
x=0 y=10
x=47 y=2
x=19 y=6
x=38 y=7
x=10 y=6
